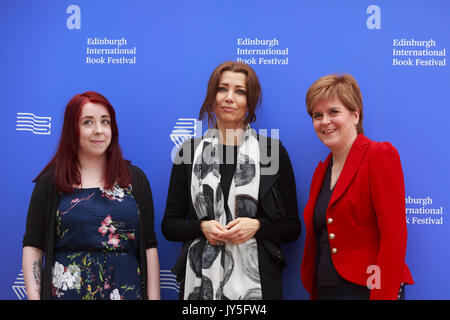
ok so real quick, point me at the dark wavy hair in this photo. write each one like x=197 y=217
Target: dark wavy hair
x=253 y=91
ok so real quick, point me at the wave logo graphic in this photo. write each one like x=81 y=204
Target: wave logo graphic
x=19 y=286
x=33 y=123
x=169 y=280
x=184 y=128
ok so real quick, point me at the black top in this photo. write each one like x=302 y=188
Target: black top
x=227 y=169
x=327 y=276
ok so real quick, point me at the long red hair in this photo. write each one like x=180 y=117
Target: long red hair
x=65 y=161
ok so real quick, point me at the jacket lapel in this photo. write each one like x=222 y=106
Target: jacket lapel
x=265 y=183
x=316 y=185
x=351 y=166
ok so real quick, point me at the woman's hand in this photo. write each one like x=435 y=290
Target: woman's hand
x=213 y=232
x=241 y=230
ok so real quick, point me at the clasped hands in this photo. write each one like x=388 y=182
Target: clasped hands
x=237 y=231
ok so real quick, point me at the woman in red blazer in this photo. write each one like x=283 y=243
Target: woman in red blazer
x=355 y=217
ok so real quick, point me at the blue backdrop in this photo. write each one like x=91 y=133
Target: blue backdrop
x=158 y=58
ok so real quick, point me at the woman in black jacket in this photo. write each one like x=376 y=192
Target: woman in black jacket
x=232 y=198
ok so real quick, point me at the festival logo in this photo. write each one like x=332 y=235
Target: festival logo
x=169 y=280
x=19 y=287
x=185 y=128
x=33 y=123
x=423 y=211
x=256 y=51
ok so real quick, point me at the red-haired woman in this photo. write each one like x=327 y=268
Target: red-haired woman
x=90 y=217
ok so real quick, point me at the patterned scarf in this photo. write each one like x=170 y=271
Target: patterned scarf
x=230 y=271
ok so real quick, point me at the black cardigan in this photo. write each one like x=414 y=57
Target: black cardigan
x=41 y=224
x=277 y=213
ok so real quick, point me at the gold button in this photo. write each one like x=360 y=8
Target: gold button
x=331 y=236
x=334 y=250
x=330 y=220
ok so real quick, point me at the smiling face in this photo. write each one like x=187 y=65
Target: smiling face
x=95 y=130
x=231 y=100
x=334 y=124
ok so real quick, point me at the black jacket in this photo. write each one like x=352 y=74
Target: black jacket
x=277 y=213
x=41 y=224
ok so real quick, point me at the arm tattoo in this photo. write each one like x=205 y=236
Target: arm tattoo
x=37 y=268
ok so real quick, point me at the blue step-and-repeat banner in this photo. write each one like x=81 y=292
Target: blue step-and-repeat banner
x=153 y=59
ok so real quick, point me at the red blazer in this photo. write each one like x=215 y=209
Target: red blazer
x=366 y=220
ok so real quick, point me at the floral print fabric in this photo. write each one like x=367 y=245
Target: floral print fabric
x=96 y=246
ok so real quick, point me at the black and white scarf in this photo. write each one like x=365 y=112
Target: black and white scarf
x=230 y=271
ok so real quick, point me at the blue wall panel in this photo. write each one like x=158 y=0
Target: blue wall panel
x=177 y=45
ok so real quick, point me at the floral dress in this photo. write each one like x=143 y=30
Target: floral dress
x=96 y=256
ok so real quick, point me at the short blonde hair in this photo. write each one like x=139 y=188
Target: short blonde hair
x=344 y=87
